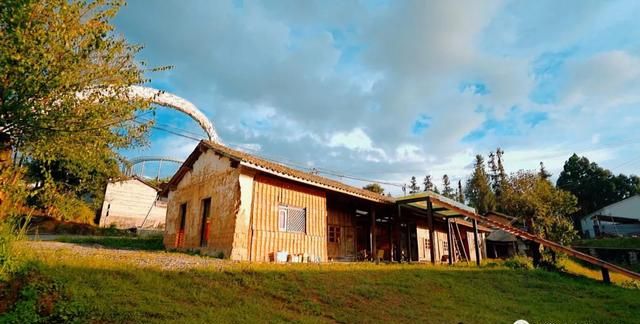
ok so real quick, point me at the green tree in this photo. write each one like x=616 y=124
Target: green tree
x=447 y=190
x=541 y=207
x=543 y=173
x=594 y=186
x=428 y=184
x=478 y=190
x=413 y=186
x=460 y=192
x=374 y=187
x=64 y=93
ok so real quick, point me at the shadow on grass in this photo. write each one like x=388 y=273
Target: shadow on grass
x=342 y=293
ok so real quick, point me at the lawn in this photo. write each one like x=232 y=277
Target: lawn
x=113 y=289
x=151 y=243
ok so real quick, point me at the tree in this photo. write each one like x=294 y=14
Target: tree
x=541 y=207
x=374 y=187
x=413 y=186
x=543 y=173
x=435 y=189
x=478 y=190
x=460 y=192
x=64 y=92
x=447 y=191
x=428 y=185
x=594 y=186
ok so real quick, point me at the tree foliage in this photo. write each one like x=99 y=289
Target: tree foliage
x=428 y=184
x=478 y=190
x=447 y=190
x=413 y=186
x=374 y=187
x=594 y=186
x=64 y=98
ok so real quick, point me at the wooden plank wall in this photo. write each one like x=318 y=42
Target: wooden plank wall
x=342 y=216
x=269 y=193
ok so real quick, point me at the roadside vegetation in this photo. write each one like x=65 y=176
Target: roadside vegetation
x=611 y=242
x=150 y=243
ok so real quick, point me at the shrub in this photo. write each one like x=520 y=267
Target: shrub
x=519 y=263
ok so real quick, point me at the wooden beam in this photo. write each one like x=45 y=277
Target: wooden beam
x=432 y=250
x=475 y=241
x=605 y=275
x=450 y=256
x=412 y=200
x=374 y=249
x=409 y=259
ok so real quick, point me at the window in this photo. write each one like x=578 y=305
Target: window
x=334 y=234
x=292 y=219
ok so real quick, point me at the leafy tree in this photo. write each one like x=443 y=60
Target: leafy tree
x=374 y=187
x=478 y=190
x=541 y=207
x=594 y=186
x=413 y=186
x=447 y=191
x=64 y=93
x=428 y=185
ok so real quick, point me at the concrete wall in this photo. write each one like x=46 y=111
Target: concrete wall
x=211 y=176
x=127 y=202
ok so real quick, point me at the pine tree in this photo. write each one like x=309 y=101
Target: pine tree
x=413 y=186
x=428 y=185
x=435 y=189
x=447 y=191
x=543 y=173
x=502 y=174
x=460 y=195
x=478 y=190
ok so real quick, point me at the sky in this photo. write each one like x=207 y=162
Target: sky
x=385 y=90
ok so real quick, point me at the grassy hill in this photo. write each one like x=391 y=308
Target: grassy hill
x=153 y=287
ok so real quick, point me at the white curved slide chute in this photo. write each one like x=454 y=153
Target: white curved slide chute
x=172 y=101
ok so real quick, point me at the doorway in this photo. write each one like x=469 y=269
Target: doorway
x=204 y=227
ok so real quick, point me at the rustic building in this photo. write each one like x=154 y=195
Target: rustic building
x=223 y=201
x=132 y=202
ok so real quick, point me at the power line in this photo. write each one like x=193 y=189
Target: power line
x=292 y=164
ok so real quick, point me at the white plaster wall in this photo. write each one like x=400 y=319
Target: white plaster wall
x=126 y=204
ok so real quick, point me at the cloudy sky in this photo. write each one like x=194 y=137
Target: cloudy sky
x=384 y=90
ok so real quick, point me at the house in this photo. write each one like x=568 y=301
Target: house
x=132 y=202
x=226 y=202
x=620 y=219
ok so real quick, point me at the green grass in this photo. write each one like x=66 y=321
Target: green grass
x=617 y=242
x=152 y=243
x=117 y=292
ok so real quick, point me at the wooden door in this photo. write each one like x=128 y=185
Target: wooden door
x=341 y=243
x=424 y=252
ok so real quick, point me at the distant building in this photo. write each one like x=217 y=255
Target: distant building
x=132 y=202
x=621 y=219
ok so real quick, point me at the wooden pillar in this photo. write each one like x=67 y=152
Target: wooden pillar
x=451 y=254
x=398 y=235
x=432 y=250
x=374 y=251
x=605 y=275
x=410 y=256
x=390 y=229
x=475 y=241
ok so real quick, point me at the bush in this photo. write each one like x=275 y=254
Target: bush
x=519 y=263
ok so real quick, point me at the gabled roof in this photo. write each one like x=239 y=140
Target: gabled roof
x=140 y=179
x=627 y=202
x=266 y=166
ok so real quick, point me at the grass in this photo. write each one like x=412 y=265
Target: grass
x=613 y=242
x=151 y=243
x=114 y=291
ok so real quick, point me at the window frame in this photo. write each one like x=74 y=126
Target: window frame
x=283 y=219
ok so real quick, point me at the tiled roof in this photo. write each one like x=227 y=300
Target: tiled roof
x=278 y=169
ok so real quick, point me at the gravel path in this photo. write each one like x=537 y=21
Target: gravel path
x=162 y=260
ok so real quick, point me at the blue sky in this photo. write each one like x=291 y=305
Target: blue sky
x=389 y=89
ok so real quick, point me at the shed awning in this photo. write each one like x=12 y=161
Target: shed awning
x=442 y=205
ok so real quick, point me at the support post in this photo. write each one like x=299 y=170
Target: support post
x=475 y=241
x=605 y=275
x=432 y=250
x=451 y=254
x=373 y=236
x=410 y=256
